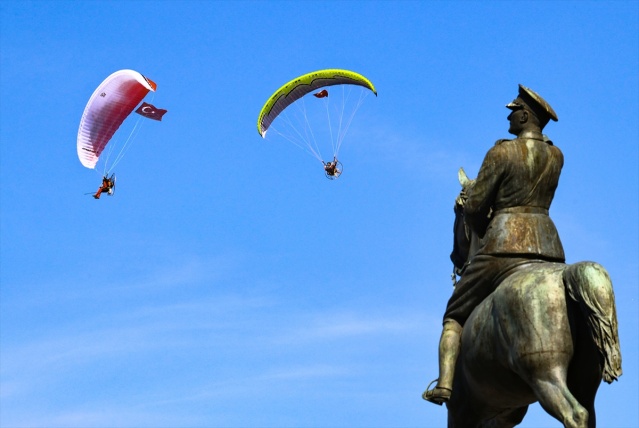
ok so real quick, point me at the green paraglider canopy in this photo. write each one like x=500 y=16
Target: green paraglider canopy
x=300 y=86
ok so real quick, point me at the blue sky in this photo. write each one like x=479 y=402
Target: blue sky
x=228 y=282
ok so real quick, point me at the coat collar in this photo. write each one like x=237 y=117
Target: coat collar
x=532 y=135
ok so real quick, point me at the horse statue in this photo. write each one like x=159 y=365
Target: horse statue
x=548 y=333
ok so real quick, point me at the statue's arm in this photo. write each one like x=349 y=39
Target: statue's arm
x=482 y=193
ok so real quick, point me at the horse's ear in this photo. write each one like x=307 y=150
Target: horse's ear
x=463 y=178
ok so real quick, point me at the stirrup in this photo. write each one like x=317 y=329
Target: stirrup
x=438 y=395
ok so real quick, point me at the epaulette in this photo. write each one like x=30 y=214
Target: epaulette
x=501 y=141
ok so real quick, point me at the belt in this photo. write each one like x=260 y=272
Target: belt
x=522 y=210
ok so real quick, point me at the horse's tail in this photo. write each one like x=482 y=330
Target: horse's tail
x=589 y=285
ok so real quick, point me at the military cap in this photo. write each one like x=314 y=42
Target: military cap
x=533 y=102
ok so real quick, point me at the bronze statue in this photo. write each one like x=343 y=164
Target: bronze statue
x=521 y=339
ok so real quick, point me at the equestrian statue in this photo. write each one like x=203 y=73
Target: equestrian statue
x=521 y=325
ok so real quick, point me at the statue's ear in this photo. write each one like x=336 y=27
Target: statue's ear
x=524 y=117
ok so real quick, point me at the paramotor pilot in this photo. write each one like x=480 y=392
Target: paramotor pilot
x=331 y=169
x=108 y=183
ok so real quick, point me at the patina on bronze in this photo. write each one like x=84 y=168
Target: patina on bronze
x=526 y=342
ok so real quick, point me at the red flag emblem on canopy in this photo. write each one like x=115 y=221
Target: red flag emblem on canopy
x=321 y=94
x=150 y=111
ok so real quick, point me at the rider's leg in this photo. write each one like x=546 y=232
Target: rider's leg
x=479 y=279
x=449 y=345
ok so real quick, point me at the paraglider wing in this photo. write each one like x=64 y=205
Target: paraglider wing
x=107 y=108
x=297 y=88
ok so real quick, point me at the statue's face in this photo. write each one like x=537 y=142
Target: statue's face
x=517 y=120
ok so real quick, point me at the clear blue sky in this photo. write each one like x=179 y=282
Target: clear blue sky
x=228 y=283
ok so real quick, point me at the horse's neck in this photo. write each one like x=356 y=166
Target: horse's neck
x=475 y=243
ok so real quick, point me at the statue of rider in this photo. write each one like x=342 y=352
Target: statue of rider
x=507 y=207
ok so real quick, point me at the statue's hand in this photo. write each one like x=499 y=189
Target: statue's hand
x=461 y=198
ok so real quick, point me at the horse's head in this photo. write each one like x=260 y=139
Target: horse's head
x=464 y=241
x=461 y=240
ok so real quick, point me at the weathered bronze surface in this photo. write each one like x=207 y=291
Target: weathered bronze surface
x=548 y=334
x=522 y=326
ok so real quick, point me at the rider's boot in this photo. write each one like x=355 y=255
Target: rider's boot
x=449 y=345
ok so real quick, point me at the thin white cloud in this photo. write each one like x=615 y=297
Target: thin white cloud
x=335 y=326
